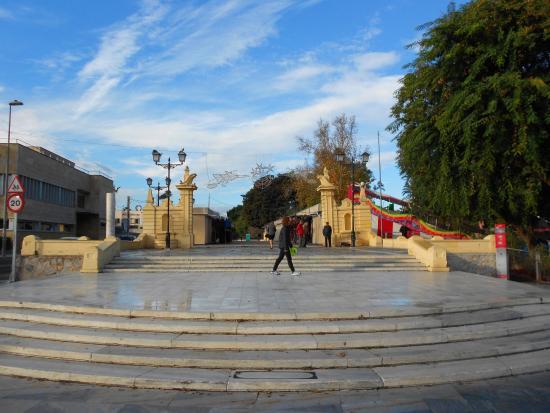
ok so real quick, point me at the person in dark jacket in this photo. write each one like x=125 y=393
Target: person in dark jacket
x=270 y=233
x=284 y=248
x=327 y=232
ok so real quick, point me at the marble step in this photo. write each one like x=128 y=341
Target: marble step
x=297 y=258
x=108 y=269
x=272 y=327
x=372 y=312
x=209 y=258
x=279 y=380
x=223 y=264
x=291 y=359
x=275 y=342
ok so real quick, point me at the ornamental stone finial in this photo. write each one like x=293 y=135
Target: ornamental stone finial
x=188 y=177
x=325 y=178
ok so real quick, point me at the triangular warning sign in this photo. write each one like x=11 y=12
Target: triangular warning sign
x=15 y=185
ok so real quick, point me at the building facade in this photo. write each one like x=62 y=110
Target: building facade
x=135 y=227
x=60 y=199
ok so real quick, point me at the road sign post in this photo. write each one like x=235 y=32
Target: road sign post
x=13 y=249
x=15 y=202
x=501 y=254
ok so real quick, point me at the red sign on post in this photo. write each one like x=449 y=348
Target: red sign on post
x=15 y=203
x=500 y=245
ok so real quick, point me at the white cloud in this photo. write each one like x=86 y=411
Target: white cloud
x=118 y=45
x=213 y=35
x=300 y=76
x=375 y=60
x=387 y=158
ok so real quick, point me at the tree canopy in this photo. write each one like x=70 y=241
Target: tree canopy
x=323 y=146
x=471 y=117
x=262 y=204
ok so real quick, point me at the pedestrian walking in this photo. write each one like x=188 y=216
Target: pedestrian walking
x=327 y=233
x=270 y=233
x=284 y=248
x=306 y=233
x=300 y=233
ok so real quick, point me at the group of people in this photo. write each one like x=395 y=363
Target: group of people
x=299 y=231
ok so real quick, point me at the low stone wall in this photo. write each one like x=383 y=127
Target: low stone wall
x=432 y=256
x=93 y=255
x=484 y=264
x=40 y=266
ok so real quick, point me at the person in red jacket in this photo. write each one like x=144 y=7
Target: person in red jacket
x=300 y=233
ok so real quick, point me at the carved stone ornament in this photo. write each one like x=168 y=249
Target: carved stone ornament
x=188 y=177
x=325 y=178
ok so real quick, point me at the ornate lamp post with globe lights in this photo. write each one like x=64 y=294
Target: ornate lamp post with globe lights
x=169 y=166
x=341 y=157
x=157 y=188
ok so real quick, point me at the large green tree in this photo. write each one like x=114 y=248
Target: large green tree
x=472 y=119
x=268 y=202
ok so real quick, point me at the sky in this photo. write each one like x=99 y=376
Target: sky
x=233 y=82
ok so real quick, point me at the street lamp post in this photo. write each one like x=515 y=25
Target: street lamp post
x=157 y=188
x=4 y=226
x=169 y=166
x=341 y=157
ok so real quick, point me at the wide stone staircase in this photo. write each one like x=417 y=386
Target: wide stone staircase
x=386 y=347
x=263 y=263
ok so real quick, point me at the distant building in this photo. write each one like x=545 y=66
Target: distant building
x=61 y=200
x=121 y=222
x=205 y=229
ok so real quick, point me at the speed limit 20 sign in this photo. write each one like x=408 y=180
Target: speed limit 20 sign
x=15 y=203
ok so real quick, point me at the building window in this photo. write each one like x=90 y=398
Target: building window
x=49 y=227
x=81 y=199
x=45 y=192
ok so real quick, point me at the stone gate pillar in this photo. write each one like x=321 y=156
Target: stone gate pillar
x=186 y=188
x=328 y=204
x=110 y=214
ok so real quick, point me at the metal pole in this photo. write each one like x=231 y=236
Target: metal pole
x=128 y=214
x=4 y=225
x=538 y=274
x=158 y=193
x=13 y=249
x=353 y=203
x=168 y=223
x=380 y=185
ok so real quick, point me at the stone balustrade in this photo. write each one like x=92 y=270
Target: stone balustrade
x=433 y=256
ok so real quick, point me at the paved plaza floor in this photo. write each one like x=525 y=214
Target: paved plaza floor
x=261 y=292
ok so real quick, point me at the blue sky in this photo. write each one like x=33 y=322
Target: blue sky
x=233 y=82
